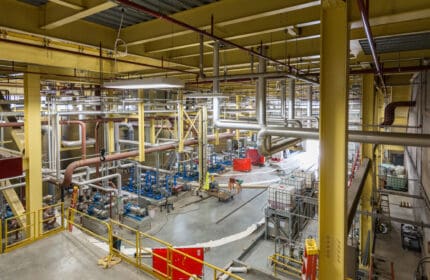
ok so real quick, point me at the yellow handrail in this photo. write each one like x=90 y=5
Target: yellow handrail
x=27 y=234
x=285 y=267
x=107 y=239
x=170 y=249
x=1 y=236
x=51 y=221
x=31 y=235
x=28 y=231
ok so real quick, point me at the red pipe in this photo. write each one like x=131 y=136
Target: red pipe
x=370 y=40
x=12 y=124
x=83 y=135
x=97 y=148
x=96 y=160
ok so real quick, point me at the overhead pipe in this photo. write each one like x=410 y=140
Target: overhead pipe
x=97 y=160
x=309 y=105
x=252 y=76
x=201 y=57
x=107 y=177
x=294 y=71
x=371 y=137
x=260 y=105
x=292 y=99
x=283 y=92
x=365 y=18
x=11 y=124
x=390 y=111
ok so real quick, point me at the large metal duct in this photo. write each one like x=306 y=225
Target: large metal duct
x=390 y=111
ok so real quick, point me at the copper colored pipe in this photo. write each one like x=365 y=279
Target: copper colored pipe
x=96 y=160
x=12 y=124
x=83 y=135
x=97 y=148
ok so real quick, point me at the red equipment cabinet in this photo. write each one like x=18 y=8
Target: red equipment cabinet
x=242 y=164
x=180 y=261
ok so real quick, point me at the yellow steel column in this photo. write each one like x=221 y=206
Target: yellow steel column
x=111 y=136
x=333 y=139
x=141 y=121
x=238 y=98
x=33 y=142
x=152 y=131
x=368 y=105
x=180 y=126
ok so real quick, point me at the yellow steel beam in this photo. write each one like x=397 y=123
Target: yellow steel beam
x=37 y=55
x=366 y=225
x=80 y=15
x=225 y=13
x=141 y=123
x=152 y=131
x=180 y=125
x=83 y=32
x=67 y=4
x=333 y=139
x=237 y=31
x=33 y=142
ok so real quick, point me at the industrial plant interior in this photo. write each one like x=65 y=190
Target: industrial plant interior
x=214 y=139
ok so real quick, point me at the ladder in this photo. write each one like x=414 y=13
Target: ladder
x=384 y=205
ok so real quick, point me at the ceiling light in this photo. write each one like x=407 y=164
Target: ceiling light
x=146 y=83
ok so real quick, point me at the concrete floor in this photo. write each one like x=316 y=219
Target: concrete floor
x=389 y=246
x=62 y=256
x=190 y=223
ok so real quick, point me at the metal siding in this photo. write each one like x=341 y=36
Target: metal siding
x=410 y=42
x=35 y=2
x=111 y=18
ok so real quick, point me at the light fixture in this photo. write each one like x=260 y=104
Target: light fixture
x=146 y=83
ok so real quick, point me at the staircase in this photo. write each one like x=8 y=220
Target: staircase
x=17 y=134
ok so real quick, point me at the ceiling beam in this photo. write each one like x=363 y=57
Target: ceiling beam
x=80 y=15
x=67 y=4
x=225 y=13
x=81 y=61
x=12 y=19
x=255 y=28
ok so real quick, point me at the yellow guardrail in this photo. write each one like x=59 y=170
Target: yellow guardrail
x=1 y=236
x=75 y=214
x=38 y=224
x=17 y=235
x=283 y=264
x=137 y=241
x=51 y=219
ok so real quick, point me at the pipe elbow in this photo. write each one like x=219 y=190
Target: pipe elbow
x=262 y=142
